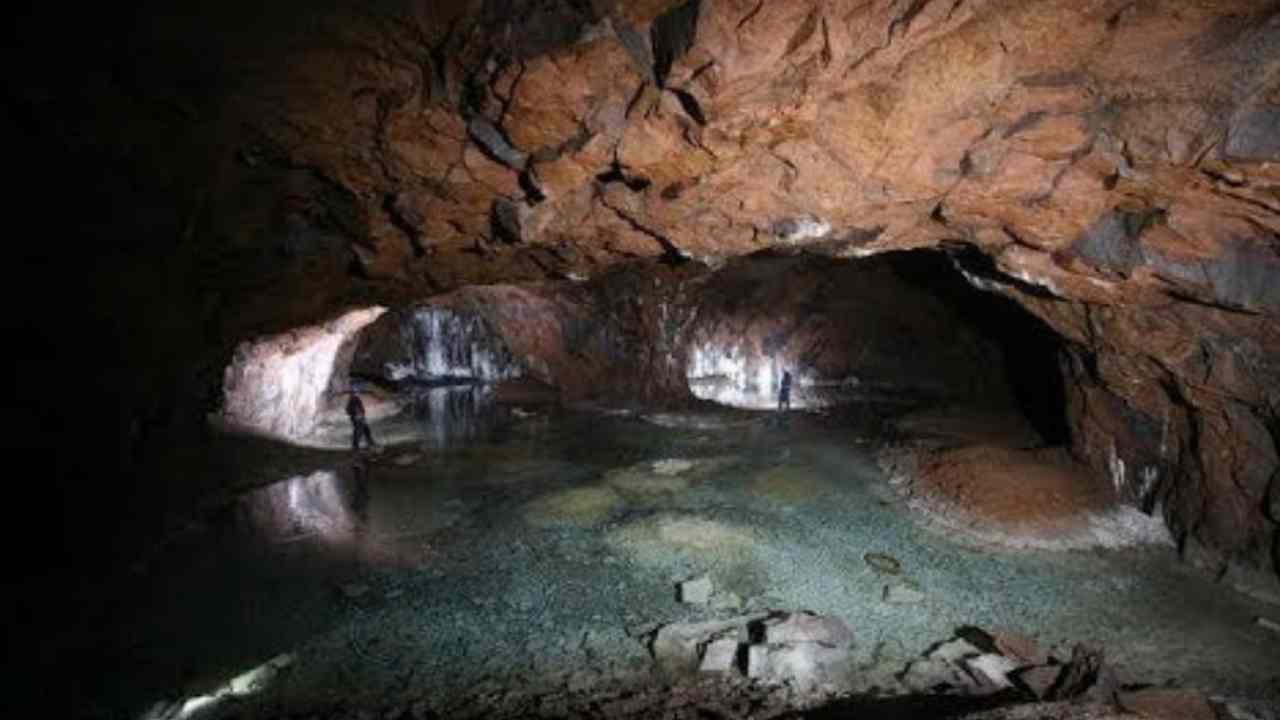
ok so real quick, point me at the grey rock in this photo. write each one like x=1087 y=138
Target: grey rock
x=961 y=667
x=930 y=675
x=990 y=670
x=696 y=591
x=807 y=628
x=487 y=136
x=677 y=647
x=953 y=651
x=720 y=656
x=1255 y=134
x=1243 y=275
x=1111 y=243
x=804 y=665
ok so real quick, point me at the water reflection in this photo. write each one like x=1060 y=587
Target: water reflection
x=450 y=414
x=322 y=504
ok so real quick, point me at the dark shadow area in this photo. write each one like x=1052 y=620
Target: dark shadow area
x=906 y=707
x=1030 y=348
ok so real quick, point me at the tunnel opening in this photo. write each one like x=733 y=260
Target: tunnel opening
x=1031 y=351
x=902 y=331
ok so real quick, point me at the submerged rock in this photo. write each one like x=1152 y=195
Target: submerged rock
x=886 y=564
x=696 y=591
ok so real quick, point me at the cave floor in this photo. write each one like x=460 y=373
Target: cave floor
x=542 y=554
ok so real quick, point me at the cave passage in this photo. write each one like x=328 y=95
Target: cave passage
x=897 y=332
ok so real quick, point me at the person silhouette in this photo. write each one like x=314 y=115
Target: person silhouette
x=784 y=392
x=359 y=426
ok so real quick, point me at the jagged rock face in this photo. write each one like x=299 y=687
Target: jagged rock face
x=1116 y=163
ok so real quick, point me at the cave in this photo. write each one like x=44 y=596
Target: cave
x=676 y=358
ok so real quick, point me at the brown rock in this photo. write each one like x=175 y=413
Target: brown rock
x=1167 y=704
x=1039 y=680
x=1019 y=647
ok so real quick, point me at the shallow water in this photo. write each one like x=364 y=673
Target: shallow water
x=549 y=544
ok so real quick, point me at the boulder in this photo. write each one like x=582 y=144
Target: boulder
x=805 y=665
x=804 y=627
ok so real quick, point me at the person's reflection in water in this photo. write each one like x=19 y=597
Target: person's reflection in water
x=358 y=496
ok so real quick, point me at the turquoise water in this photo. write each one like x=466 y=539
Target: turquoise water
x=549 y=545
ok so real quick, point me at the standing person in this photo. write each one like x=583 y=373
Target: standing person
x=784 y=392
x=359 y=426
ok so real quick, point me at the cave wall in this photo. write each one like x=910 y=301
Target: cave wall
x=241 y=169
x=616 y=338
x=847 y=331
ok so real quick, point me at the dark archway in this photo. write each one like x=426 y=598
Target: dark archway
x=1031 y=350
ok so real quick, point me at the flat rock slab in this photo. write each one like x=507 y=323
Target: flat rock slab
x=696 y=591
x=677 y=647
x=720 y=656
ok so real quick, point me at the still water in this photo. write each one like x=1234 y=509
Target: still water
x=492 y=544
